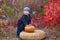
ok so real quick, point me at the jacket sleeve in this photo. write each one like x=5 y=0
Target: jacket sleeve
x=24 y=21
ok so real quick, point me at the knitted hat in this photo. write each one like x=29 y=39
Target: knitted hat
x=27 y=9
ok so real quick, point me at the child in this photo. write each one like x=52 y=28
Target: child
x=24 y=20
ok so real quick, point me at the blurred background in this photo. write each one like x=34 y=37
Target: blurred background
x=47 y=17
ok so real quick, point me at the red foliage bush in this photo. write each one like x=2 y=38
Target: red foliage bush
x=51 y=16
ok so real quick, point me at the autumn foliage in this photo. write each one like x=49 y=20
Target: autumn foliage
x=51 y=15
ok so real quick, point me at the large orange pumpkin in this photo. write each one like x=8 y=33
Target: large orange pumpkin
x=29 y=28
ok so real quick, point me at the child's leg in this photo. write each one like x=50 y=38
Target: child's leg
x=19 y=29
x=18 y=32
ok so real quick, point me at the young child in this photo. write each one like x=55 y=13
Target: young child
x=24 y=20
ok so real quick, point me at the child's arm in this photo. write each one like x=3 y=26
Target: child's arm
x=24 y=21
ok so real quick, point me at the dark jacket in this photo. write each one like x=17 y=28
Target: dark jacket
x=23 y=21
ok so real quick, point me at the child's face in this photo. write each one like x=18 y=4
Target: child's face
x=26 y=12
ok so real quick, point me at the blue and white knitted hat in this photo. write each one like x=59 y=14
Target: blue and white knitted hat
x=27 y=9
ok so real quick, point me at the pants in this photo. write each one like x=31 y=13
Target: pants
x=19 y=29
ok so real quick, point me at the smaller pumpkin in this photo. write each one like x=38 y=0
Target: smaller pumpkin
x=29 y=28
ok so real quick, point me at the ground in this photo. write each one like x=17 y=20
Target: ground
x=11 y=35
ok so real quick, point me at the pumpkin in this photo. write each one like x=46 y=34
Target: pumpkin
x=29 y=28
